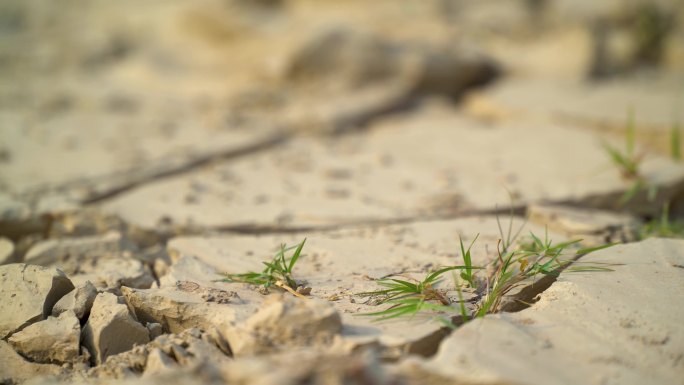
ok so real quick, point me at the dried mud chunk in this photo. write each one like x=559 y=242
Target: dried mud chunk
x=54 y=340
x=285 y=321
x=111 y=329
x=29 y=294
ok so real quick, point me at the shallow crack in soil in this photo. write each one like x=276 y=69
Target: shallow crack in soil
x=190 y=166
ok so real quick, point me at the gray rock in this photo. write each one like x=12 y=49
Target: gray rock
x=79 y=301
x=111 y=329
x=6 y=251
x=283 y=322
x=54 y=340
x=29 y=293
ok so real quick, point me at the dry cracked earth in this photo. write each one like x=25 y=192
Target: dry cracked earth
x=148 y=148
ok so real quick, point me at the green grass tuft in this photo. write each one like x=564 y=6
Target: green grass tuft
x=278 y=272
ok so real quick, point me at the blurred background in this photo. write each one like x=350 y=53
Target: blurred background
x=122 y=91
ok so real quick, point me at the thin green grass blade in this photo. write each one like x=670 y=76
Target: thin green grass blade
x=675 y=141
x=441 y=271
x=411 y=286
x=581 y=269
x=295 y=256
x=588 y=250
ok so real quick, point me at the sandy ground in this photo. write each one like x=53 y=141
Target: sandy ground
x=148 y=149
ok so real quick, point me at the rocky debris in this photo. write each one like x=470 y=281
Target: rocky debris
x=29 y=293
x=594 y=227
x=53 y=340
x=6 y=251
x=603 y=327
x=111 y=329
x=78 y=301
x=381 y=175
x=283 y=322
x=16 y=369
x=190 y=350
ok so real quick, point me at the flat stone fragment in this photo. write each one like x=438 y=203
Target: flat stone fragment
x=79 y=301
x=111 y=329
x=16 y=369
x=28 y=293
x=619 y=327
x=6 y=251
x=53 y=340
x=595 y=227
x=382 y=174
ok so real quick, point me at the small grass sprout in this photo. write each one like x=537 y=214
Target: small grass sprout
x=277 y=272
x=629 y=163
x=407 y=297
x=467 y=271
x=517 y=263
